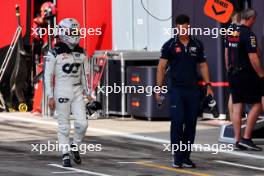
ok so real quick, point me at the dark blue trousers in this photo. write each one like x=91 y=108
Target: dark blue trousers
x=184 y=110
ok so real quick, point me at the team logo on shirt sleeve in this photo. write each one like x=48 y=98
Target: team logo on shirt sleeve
x=253 y=41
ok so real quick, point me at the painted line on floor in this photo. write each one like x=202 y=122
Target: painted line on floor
x=65 y=172
x=124 y=135
x=241 y=154
x=180 y=171
x=78 y=170
x=128 y=162
x=240 y=165
x=133 y=162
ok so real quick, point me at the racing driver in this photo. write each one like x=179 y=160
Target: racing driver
x=65 y=83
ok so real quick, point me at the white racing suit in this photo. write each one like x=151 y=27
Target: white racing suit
x=67 y=67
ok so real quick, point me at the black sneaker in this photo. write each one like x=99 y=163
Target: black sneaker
x=177 y=163
x=237 y=146
x=187 y=162
x=75 y=154
x=66 y=160
x=248 y=143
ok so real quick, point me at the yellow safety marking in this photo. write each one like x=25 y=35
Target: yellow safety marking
x=182 y=171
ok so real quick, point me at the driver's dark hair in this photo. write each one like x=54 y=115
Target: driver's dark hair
x=182 y=19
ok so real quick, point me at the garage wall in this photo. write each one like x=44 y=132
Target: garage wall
x=90 y=14
x=9 y=20
x=135 y=29
x=259 y=26
x=122 y=13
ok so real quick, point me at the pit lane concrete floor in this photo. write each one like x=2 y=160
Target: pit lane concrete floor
x=129 y=148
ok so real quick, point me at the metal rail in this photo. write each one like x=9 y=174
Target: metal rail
x=10 y=52
x=7 y=60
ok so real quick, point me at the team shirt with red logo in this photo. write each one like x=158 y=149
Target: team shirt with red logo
x=183 y=60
